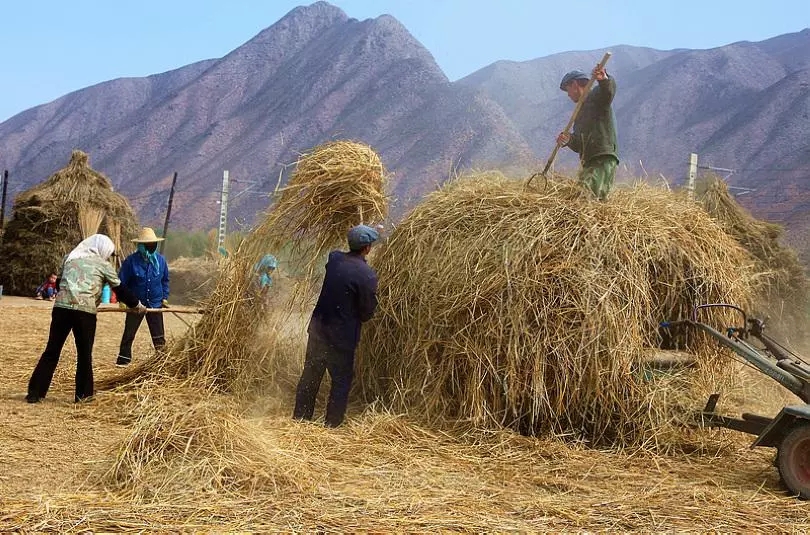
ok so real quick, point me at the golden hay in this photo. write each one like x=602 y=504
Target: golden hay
x=334 y=187
x=46 y=226
x=786 y=293
x=384 y=473
x=506 y=307
x=90 y=219
x=183 y=440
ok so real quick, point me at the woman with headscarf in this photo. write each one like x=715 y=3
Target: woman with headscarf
x=264 y=269
x=85 y=271
x=146 y=273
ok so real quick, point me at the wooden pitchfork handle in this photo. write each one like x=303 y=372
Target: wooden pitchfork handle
x=152 y=310
x=573 y=118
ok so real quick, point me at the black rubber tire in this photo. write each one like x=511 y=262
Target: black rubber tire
x=793 y=461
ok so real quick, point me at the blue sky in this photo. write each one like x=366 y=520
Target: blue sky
x=52 y=47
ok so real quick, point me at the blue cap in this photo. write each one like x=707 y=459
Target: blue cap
x=360 y=236
x=571 y=76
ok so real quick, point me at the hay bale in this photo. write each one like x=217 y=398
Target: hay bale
x=534 y=310
x=785 y=293
x=45 y=222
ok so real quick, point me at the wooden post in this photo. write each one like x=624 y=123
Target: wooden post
x=223 y=211
x=3 y=202
x=690 y=179
x=168 y=212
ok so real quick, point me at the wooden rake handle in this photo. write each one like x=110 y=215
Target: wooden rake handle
x=573 y=118
x=153 y=310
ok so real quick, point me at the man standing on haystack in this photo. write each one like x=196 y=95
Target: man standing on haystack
x=348 y=298
x=146 y=273
x=594 y=135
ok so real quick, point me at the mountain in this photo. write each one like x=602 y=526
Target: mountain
x=318 y=74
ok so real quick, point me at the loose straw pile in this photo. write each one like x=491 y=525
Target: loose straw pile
x=334 y=187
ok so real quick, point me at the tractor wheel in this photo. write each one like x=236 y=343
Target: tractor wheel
x=793 y=460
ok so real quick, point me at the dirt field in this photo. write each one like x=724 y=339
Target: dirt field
x=380 y=472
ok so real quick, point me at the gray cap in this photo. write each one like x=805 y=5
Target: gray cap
x=571 y=76
x=360 y=236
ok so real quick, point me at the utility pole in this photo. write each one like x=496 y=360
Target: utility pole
x=223 y=210
x=3 y=202
x=690 y=180
x=168 y=212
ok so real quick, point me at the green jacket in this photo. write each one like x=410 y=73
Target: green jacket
x=594 y=132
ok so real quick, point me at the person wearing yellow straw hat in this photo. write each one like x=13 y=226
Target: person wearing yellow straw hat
x=145 y=272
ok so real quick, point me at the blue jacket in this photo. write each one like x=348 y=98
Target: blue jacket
x=348 y=298
x=140 y=277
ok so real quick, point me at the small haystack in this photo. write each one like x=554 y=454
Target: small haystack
x=536 y=310
x=192 y=279
x=48 y=220
x=786 y=294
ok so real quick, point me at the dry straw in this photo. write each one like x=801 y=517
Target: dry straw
x=90 y=219
x=537 y=310
x=45 y=223
x=183 y=439
x=182 y=436
x=334 y=187
x=785 y=289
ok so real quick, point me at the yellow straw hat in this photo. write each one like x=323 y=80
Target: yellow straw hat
x=147 y=235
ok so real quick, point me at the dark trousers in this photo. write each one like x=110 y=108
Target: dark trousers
x=63 y=321
x=131 y=326
x=321 y=357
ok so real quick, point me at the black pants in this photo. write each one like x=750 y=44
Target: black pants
x=63 y=321
x=131 y=326
x=340 y=363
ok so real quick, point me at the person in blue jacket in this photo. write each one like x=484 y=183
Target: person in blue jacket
x=147 y=275
x=348 y=298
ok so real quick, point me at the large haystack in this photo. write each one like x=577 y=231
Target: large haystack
x=537 y=310
x=45 y=223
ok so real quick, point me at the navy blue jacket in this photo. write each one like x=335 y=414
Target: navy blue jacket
x=348 y=298
x=149 y=286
